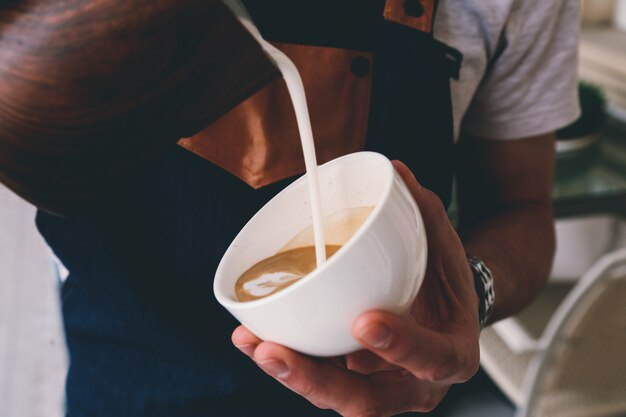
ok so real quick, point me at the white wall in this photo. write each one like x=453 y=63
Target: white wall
x=32 y=347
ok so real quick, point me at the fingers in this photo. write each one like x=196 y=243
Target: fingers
x=398 y=393
x=245 y=341
x=352 y=395
x=428 y=355
x=325 y=385
x=317 y=380
x=366 y=363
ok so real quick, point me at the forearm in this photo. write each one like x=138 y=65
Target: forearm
x=92 y=89
x=517 y=244
x=505 y=214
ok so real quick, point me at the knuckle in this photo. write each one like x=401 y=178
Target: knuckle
x=459 y=365
x=429 y=401
x=455 y=369
x=444 y=371
x=439 y=374
x=470 y=368
x=467 y=364
x=369 y=408
x=427 y=405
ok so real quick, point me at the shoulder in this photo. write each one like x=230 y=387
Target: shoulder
x=467 y=24
x=509 y=46
x=471 y=24
x=474 y=28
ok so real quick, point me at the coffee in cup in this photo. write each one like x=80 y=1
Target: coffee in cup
x=278 y=272
x=297 y=259
x=379 y=267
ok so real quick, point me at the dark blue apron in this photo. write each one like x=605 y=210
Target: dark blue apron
x=145 y=334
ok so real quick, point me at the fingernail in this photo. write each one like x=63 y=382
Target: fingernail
x=275 y=368
x=248 y=349
x=377 y=336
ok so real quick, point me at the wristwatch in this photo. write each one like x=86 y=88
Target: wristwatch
x=483 y=282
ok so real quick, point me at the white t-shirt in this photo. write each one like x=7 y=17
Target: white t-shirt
x=519 y=74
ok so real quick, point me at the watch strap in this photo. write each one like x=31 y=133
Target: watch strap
x=483 y=282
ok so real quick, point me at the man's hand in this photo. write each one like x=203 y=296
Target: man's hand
x=409 y=362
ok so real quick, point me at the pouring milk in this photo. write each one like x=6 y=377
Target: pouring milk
x=298 y=98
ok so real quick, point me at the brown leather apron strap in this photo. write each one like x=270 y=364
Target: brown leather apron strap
x=343 y=50
x=259 y=142
x=417 y=14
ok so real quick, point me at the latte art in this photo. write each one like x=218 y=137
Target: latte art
x=278 y=272
x=297 y=259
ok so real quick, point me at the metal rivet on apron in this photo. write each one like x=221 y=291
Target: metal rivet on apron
x=360 y=66
x=414 y=8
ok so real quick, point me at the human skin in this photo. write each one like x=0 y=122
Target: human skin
x=409 y=362
x=49 y=159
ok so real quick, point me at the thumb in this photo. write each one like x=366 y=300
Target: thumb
x=427 y=354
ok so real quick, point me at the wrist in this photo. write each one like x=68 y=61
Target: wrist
x=483 y=283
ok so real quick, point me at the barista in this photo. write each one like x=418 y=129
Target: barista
x=97 y=99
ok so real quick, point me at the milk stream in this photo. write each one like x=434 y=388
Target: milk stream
x=298 y=98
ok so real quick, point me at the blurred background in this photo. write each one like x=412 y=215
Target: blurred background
x=589 y=201
x=32 y=348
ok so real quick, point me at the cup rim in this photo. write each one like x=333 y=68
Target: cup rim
x=243 y=305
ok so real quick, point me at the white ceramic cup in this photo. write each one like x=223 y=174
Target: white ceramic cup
x=381 y=266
